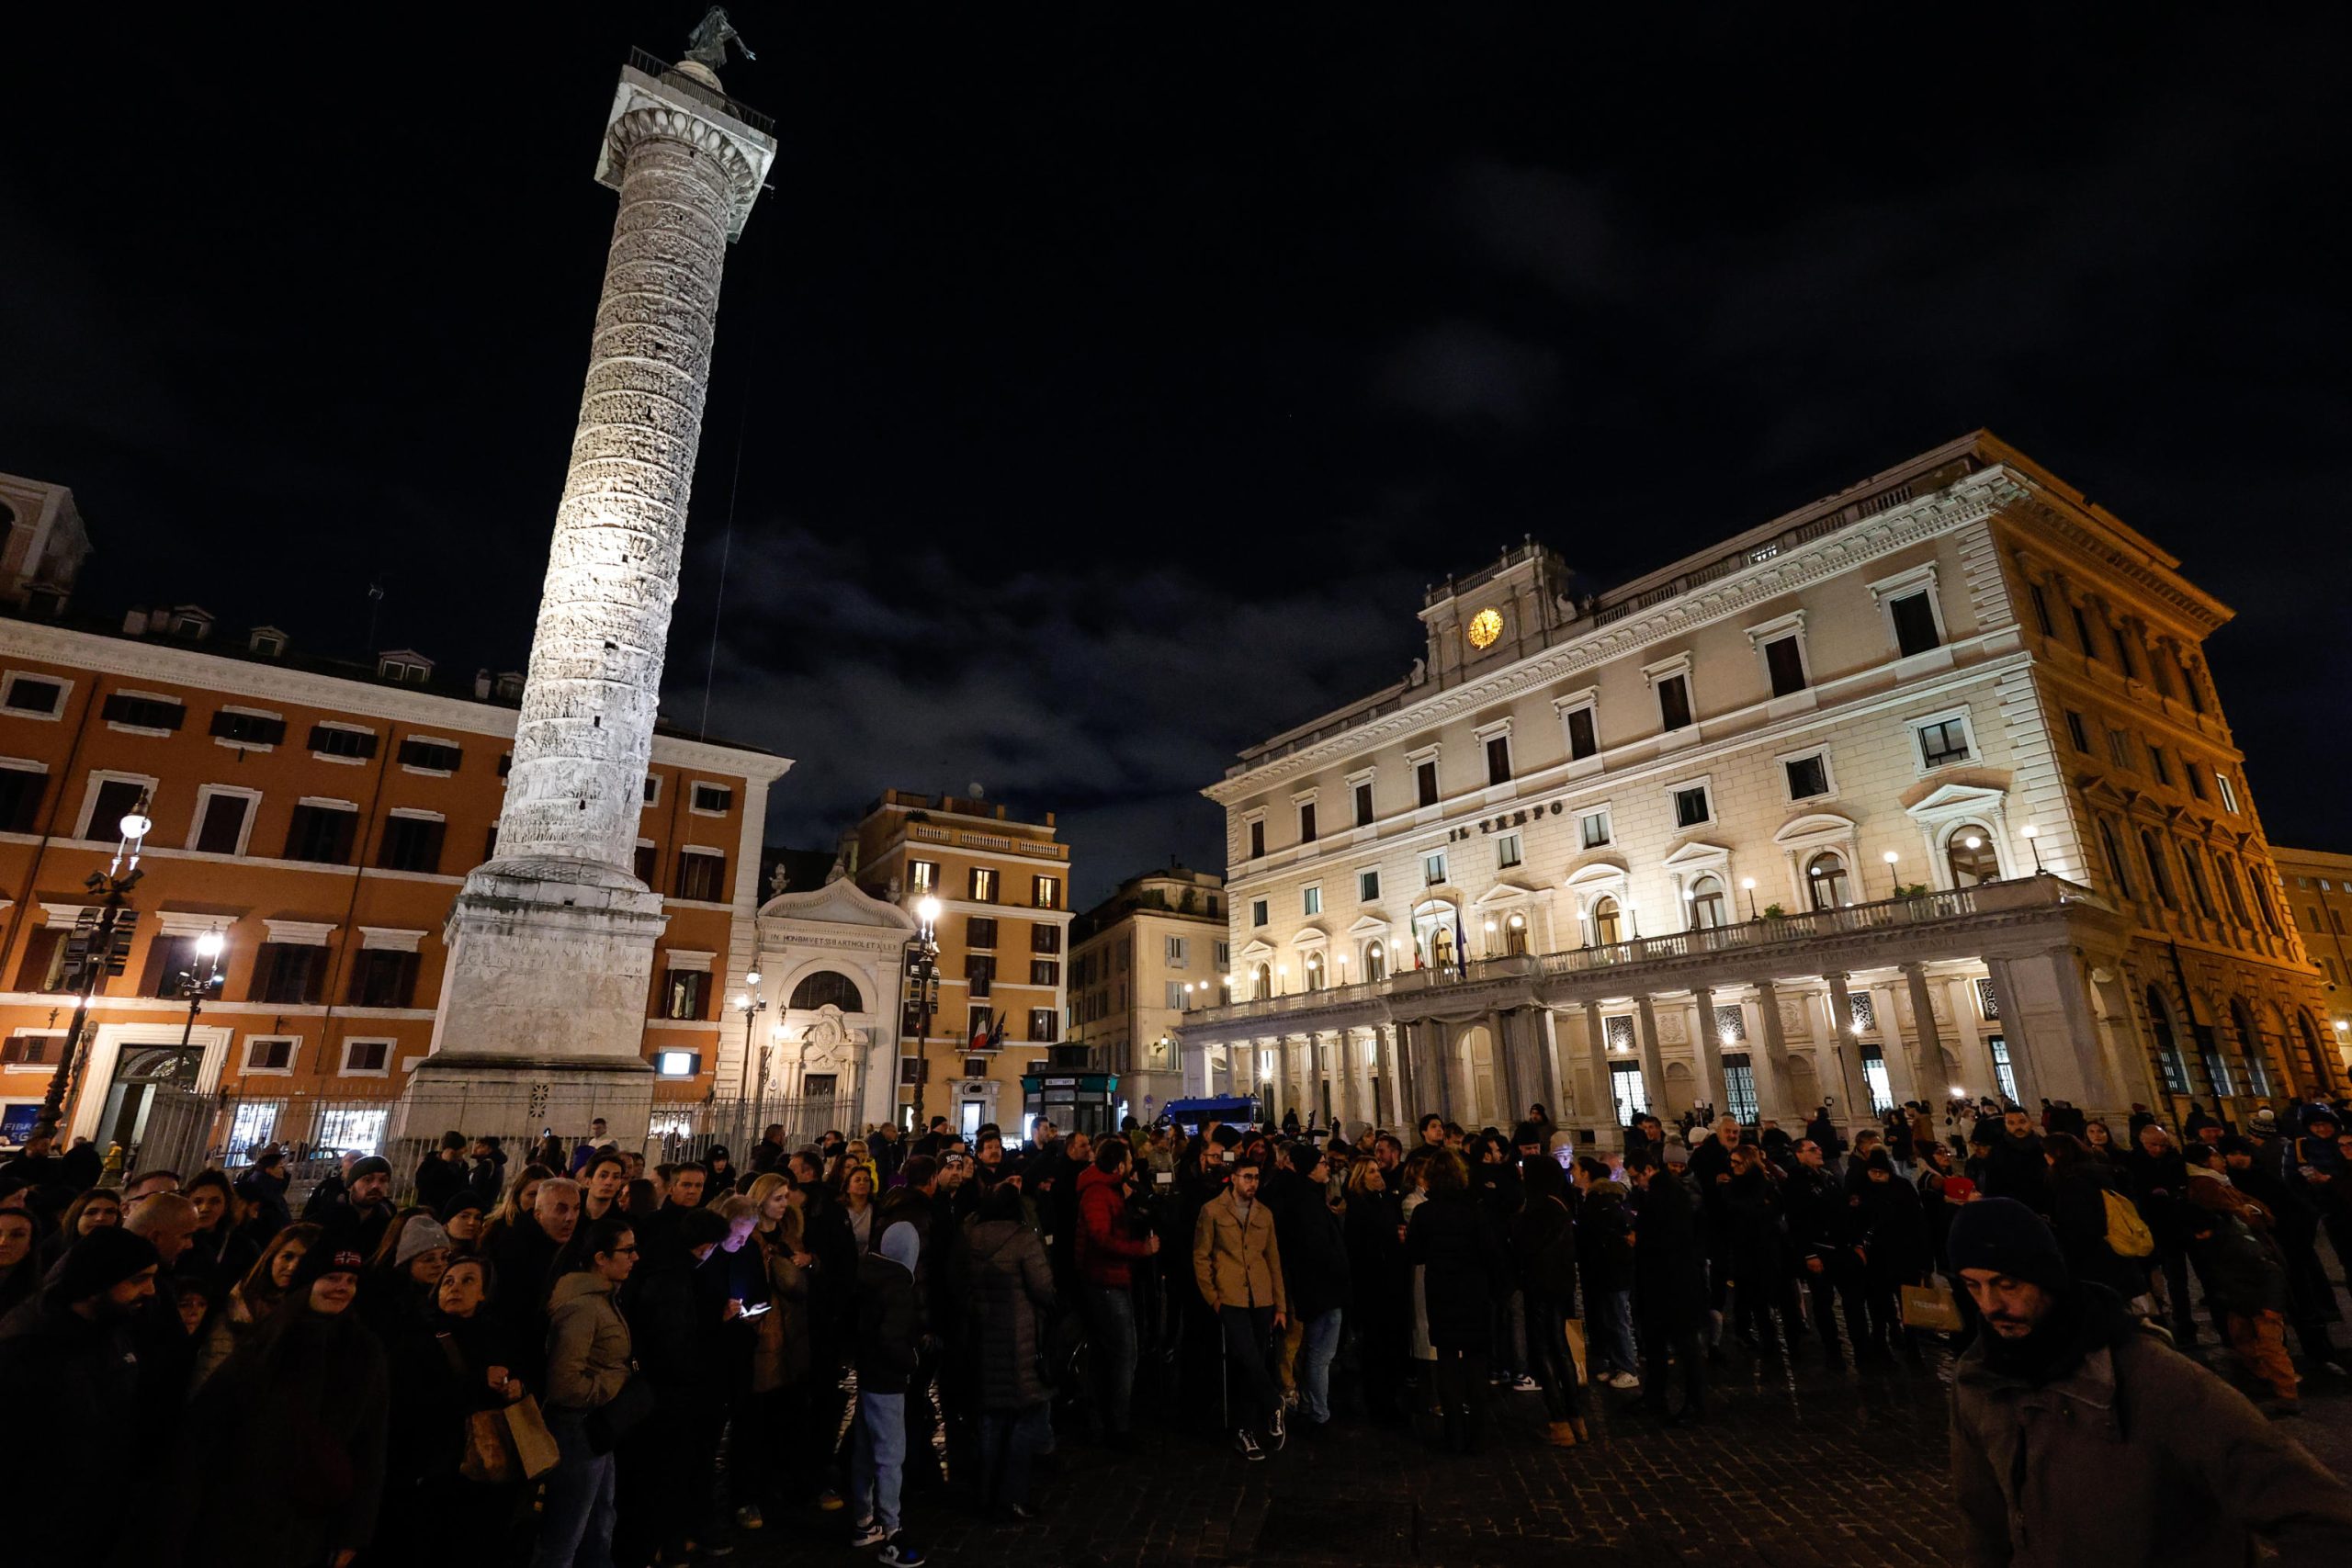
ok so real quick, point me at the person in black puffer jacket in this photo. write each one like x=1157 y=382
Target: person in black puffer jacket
x=1543 y=1254
x=1381 y=1286
x=1453 y=1238
x=1009 y=1290
x=1314 y=1274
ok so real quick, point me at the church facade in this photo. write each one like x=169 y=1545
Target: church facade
x=1923 y=788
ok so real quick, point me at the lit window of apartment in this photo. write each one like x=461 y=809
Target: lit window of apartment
x=1044 y=893
x=2229 y=792
x=979 y=884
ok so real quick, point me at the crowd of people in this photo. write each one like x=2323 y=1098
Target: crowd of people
x=588 y=1360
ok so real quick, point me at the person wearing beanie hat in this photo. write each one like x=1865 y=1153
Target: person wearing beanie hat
x=461 y=1219
x=355 y=1209
x=1891 y=1239
x=66 y=1356
x=2080 y=1435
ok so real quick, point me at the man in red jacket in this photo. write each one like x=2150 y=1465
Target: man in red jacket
x=1108 y=1247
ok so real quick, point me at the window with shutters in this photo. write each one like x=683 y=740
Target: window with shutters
x=244 y=729
x=980 y=886
x=289 y=972
x=322 y=834
x=711 y=800
x=1049 y=939
x=685 y=994
x=702 y=874
x=138 y=713
x=33 y=1050
x=383 y=978
x=342 y=740
x=1044 y=971
x=1044 y=893
x=979 y=973
x=411 y=843
x=1045 y=1025
x=430 y=756
x=979 y=930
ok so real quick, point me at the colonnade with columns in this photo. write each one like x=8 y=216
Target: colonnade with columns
x=2026 y=1025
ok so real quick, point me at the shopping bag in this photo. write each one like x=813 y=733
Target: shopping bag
x=1932 y=1307
x=489 y=1457
x=1575 y=1348
x=534 y=1450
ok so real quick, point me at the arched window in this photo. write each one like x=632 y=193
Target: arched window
x=1825 y=879
x=827 y=987
x=2315 y=1061
x=1262 y=982
x=2169 y=1061
x=1376 y=961
x=1708 y=907
x=1314 y=968
x=2158 y=876
x=2257 y=1068
x=1970 y=854
x=1605 y=922
x=1515 y=935
x=2262 y=902
x=2227 y=870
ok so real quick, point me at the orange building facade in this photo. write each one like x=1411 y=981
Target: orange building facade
x=320 y=818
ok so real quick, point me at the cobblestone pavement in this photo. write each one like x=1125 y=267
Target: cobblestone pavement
x=1818 y=1467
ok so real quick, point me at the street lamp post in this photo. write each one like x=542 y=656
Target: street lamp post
x=1747 y=884
x=750 y=1004
x=97 y=949
x=923 y=962
x=195 y=988
x=1893 y=880
x=2033 y=836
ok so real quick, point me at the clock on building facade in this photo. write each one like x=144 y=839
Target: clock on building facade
x=1485 y=627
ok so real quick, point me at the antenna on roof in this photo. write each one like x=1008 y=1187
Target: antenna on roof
x=375 y=609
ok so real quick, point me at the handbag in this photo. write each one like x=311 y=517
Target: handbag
x=619 y=1416
x=1931 y=1307
x=526 y=1429
x=488 y=1457
x=1576 y=1349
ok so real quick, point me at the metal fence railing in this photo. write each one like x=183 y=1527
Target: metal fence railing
x=186 y=1131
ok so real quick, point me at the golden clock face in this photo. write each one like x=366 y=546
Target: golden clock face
x=1485 y=627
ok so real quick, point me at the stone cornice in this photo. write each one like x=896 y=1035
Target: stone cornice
x=2030 y=507
x=647 y=121
x=1970 y=501
x=234 y=678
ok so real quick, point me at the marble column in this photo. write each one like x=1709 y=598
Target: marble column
x=1653 y=1064
x=1708 y=1052
x=1602 y=1112
x=1767 y=1056
x=1847 y=1050
x=1930 y=1084
x=1902 y=1076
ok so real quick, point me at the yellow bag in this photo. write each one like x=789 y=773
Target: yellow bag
x=1930 y=1307
x=2128 y=1235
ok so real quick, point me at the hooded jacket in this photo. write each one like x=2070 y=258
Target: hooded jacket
x=589 y=1347
x=889 y=1325
x=2134 y=1454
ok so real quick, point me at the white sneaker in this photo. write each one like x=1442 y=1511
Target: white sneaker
x=1277 y=1432
x=1623 y=1380
x=870 y=1533
x=1525 y=1384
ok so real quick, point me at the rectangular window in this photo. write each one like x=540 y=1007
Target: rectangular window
x=2083 y=631
x=1690 y=807
x=1988 y=1002
x=979 y=931
x=1174 y=951
x=1785 y=663
x=979 y=973
x=248 y=729
x=980 y=886
x=1044 y=971
x=366 y=1058
x=1258 y=839
x=1674 y=701
x=2158 y=766
x=1044 y=893
x=289 y=972
x=702 y=874
x=2004 y=1074
x=1808 y=776
x=1943 y=742
x=1222 y=958
x=2078 y=732
x=1425 y=781
x=1257 y=911
x=1307 y=823
x=2123 y=661
x=1310 y=901
x=1176 y=997
x=117 y=798
x=647 y=862
x=222 y=830
x=1583 y=738
x=336 y=740
x=20 y=792
x=1364 y=804
x=1874 y=1079
x=711 y=800
x=144 y=713
x=270 y=1054
x=1499 y=760
x=1595 y=829
x=2195 y=778
x=383 y=978
x=1433 y=869
x=1506 y=851
x=433 y=756
x=33 y=1050
x=29 y=694
x=924 y=874
x=2042 y=610
x=2190 y=689
x=1915 y=624
x=2229 y=792
x=1367 y=887
x=685 y=995
x=411 y=843
x=322 y=834
x=1739 y=1088
x=1626 y=1090
x=1045 y=1025
x=978 y=1024
x=1049 y=939
x=2119 y=748
x=652 y=788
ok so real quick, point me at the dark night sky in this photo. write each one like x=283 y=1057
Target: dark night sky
x=1107 y=383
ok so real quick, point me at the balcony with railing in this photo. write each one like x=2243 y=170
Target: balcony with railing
x=1771 y=946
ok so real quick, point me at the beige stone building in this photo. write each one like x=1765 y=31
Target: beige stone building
x=1923 y=788
x=2319 y=899
x=1152 y=952
x=1003 y=882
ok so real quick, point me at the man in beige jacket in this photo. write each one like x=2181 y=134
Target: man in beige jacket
x=1238 y=1267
